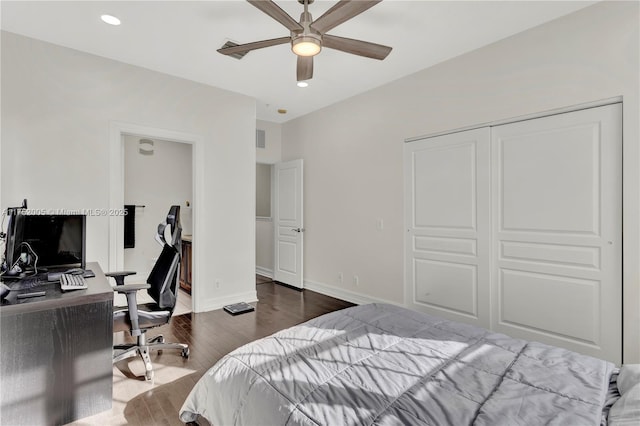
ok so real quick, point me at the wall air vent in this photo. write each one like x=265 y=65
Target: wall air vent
x=260 y=139
x=234 y=55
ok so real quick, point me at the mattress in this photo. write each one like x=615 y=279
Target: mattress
x=380 y=364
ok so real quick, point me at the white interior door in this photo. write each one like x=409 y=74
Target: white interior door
x=288 y=221
x=448 y=225
x=557 y=230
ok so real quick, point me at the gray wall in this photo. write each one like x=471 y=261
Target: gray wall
x=586 y=56
x=57 y=106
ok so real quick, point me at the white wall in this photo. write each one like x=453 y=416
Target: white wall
x=57 y=108
x=156 y=182
x=264 y=247
x=583 y=57
x=271 y=154
x=263 y=190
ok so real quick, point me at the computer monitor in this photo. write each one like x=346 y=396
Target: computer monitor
x=57 y=240
x=11 y=254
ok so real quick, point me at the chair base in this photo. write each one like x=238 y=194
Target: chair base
x=143 y=348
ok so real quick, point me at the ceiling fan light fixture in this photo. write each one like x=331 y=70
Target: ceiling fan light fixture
x=309 y=36
x=306 y=45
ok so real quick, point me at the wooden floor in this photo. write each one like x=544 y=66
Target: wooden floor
x=210 y=336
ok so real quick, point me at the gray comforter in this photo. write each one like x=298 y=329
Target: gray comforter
x=385 y=365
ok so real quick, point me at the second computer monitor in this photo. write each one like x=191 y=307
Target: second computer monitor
x=57 y=240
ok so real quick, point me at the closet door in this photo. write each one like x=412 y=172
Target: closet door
x=557 y=230
x=447 y=246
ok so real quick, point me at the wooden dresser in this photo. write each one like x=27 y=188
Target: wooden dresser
x=185 y=269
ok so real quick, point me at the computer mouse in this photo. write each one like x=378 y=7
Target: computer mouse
x=74 y=271
x=4 y=290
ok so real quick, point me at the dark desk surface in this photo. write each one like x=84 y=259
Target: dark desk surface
x=56 y=354
x=98 y=290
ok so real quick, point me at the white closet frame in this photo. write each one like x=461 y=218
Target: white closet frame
x=493 y=239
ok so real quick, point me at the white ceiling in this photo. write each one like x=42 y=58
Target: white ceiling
x=181 y=37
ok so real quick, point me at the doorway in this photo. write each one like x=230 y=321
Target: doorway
x=279 y=222
x=149 y=191
x=119 y=133
x=264 y=220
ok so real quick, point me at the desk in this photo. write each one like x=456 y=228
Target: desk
x=56 y=354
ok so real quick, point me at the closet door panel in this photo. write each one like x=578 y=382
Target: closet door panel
x=553 y=296
x=450 y=286
x=550 y=180
x=445 y=185
x=557 y=231
x=448 y=226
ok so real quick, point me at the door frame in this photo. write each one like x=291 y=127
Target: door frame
x=117 y=131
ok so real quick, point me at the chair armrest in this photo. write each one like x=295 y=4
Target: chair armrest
x=130 y=288
x=119 y=276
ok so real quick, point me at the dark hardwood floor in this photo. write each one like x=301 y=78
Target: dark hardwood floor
x=210 y=336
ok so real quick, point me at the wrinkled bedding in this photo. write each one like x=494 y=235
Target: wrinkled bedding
x=385 y=365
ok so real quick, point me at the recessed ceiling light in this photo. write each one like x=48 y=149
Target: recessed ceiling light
x=111 y=20
x=282 y=111
x=302 y=84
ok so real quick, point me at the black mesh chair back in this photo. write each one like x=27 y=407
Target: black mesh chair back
x=164 y=277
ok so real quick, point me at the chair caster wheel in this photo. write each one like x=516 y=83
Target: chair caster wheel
x=185 y=353
x=157 y=339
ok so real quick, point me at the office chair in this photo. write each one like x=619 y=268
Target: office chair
x=161 y=286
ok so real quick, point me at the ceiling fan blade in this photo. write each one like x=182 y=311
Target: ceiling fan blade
x=356 y=47
x=305 y=68
x=273 y=10
x=241 y=48
x=341 y=12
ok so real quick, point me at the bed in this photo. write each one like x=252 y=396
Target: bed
x=381 y=364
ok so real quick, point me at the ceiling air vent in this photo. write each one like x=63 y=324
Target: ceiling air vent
x=239 y=55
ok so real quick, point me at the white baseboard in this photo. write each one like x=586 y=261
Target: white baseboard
x=342 y=294
x=219 y=302
x=326 y=289
x=264 y=272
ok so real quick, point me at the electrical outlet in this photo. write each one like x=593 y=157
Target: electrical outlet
x=380 y=224
x=340 y=277
x=217 y=283
x=356 y=280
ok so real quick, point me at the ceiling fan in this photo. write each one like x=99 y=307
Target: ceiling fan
x=308 y=37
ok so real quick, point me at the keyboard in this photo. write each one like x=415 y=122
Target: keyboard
x=55 y=276
x=72 y=282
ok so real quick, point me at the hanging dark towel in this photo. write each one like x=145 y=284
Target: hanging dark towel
x=130 y=226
